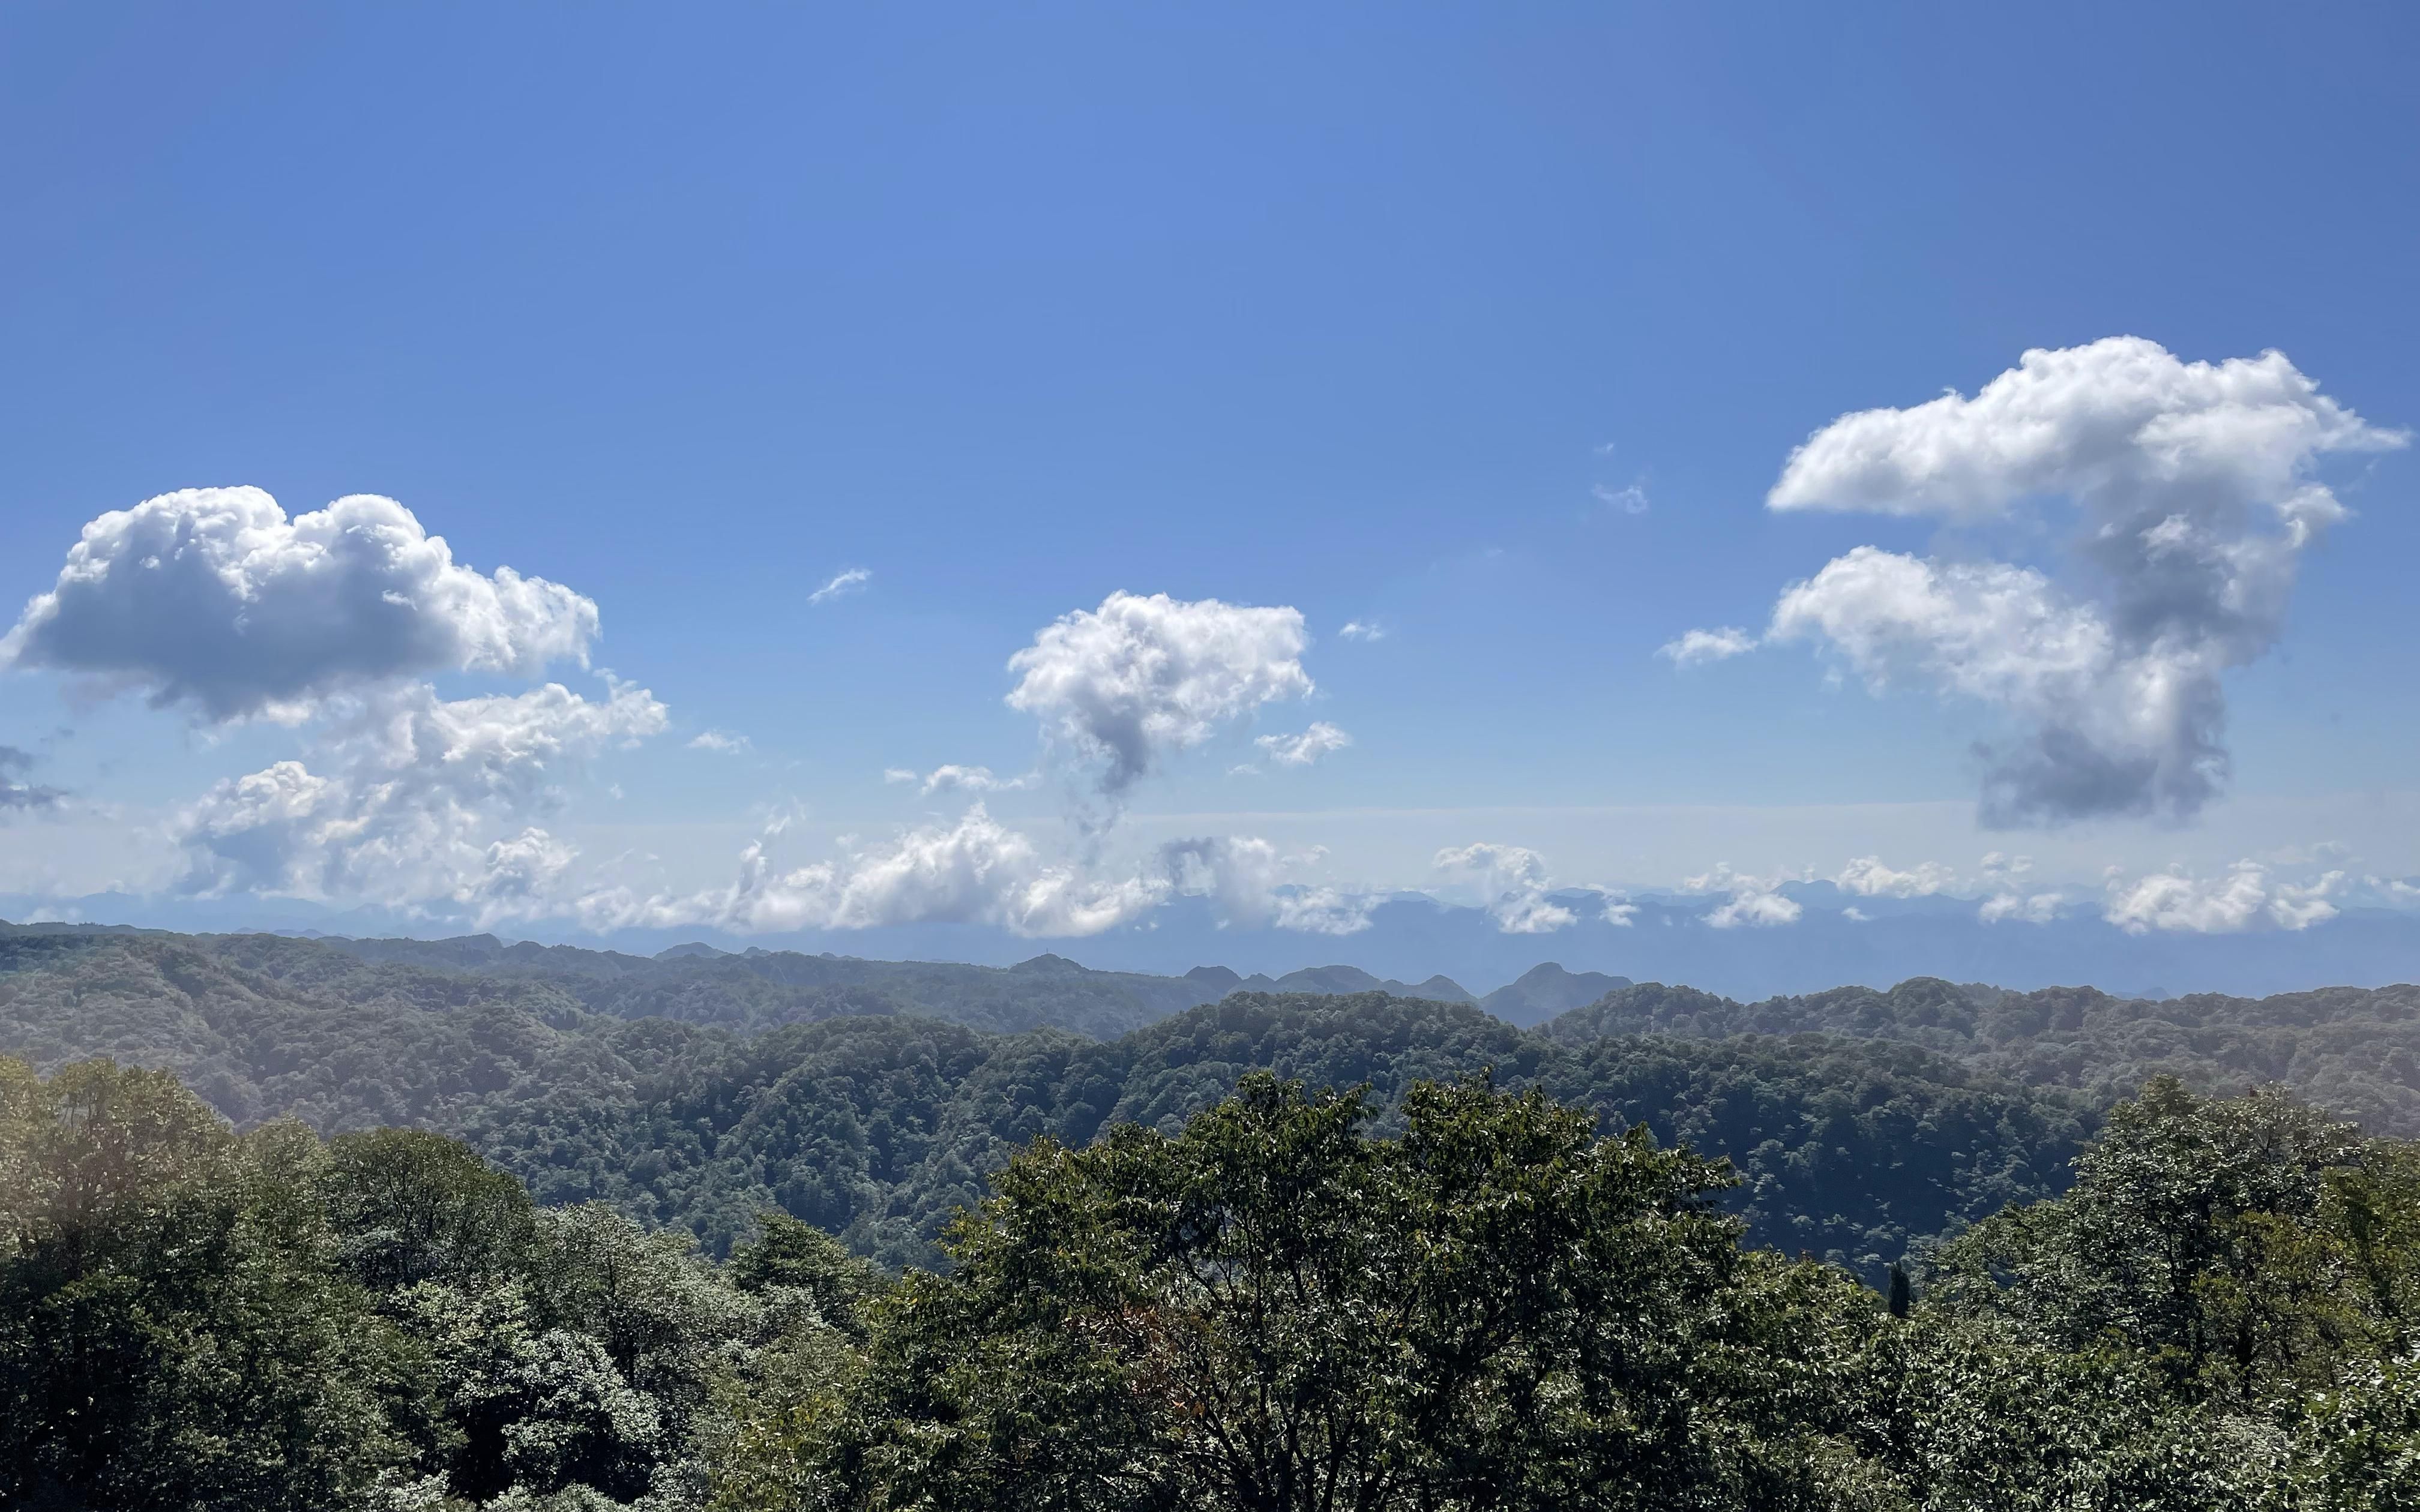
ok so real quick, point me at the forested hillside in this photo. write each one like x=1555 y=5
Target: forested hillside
x=691 y=1091
x=878 y=1125
x=757 y=989
x=1478 y=1301
x=2355 y=1050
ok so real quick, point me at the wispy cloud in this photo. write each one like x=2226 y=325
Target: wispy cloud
x=1700 y=646
x=1364 y=630
x=843 y=583
x=1630 y=499
x=722 y=741
x=953 y=777
x=1306 y=747
x=15 y=793
x=956 y=778
x=1869 y=877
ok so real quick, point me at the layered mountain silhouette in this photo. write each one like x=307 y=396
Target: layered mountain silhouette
x=1419 y=946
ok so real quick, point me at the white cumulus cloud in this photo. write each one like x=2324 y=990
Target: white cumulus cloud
x=2011 y=900
x=2020 y=907
x=1514 y=880
x=1364 y=630
x=1751 y=901
x=721 y=742
x=1755 y=909
x=2106 y=423
x=411 y=800
x=1237 y=874
x=1245 y=879
x=974 y=872
x=2109 y=731
x=1867 y=877
x=2245 y=896
x=978 y=871
x=1117 y=689
x=2194 y=494
x=214 y=599
x=1123 y=685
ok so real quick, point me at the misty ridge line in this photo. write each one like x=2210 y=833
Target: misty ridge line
x=497 y=1042
x=1747 y=937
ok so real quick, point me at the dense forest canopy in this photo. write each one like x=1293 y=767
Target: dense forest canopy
x=878 y=1125
x=875 y=1099
x=457 y=1223
x=1290 y=1302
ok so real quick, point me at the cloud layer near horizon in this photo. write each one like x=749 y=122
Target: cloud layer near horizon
x=1513 y=881
x=976 y=870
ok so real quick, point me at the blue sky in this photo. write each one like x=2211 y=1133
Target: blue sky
x=1391 y=315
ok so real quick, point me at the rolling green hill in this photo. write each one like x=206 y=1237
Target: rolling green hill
x=2352 y=1049
x=878 y=1124
x=875 y=1098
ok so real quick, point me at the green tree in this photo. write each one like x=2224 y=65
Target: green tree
x=2203 y=1234
x=2214 y=1316
x=412 y=1206
x=176 y=1331
x=2360 y=1440
x=794 y=1256
x=1273 y=1310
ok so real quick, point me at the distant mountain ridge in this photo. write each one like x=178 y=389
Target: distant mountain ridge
x=756 y=988
x=1836 y=937
x=2353 y=1049
x=1537 y=996
x=1337 y=981
x=877 y=1125
x=873 y=1097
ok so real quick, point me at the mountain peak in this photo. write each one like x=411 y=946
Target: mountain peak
x=1547 y=990
x=1054 y=964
